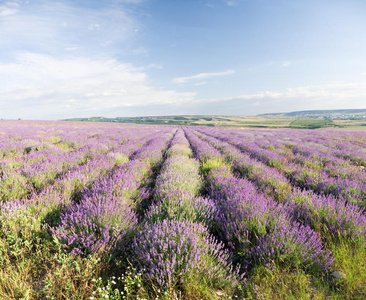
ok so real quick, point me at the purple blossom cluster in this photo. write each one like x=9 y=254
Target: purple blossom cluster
x=179 y=145
x=202 y=150
x=260 y=229
x=154 y=149
x=179 y=179
x=95 y=225
x=327 y=213
x=171 y=253
x=320 y=182
x=195 y=209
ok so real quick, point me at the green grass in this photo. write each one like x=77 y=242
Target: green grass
x=209 y=164
x=312 y=123
x=284 y=283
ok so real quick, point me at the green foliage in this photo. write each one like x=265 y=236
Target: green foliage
x=13 y=186
x=212 y=163
x=179 y=149
x=312 y=123
x=121 y=158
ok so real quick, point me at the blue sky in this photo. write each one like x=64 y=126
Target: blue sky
x=64 y=59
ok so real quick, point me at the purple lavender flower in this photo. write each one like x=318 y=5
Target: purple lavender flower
x=171 y=252
x=95 y=225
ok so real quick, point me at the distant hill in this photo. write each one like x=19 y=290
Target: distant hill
x=332 y=114
x=197 y=120
x=170 y=120
x=310 y=119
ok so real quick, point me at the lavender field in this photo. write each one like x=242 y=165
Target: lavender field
x=126 y=211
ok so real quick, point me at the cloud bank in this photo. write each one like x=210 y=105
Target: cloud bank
x=36 y=85
x=201 y=76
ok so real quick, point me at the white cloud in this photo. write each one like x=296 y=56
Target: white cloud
x=6 y=11
x=94 y=26
x=335 y=95
x=71 y=48
x=210 y=3
x=140 y=51
x=9 y=8
x=13 y=3
x=36 y=86
x=154 y=66
x=50 y=26
x=332 y=91
x=231 y=3
x=130 y=1
x=40 y=86
x=201 y=76
x=106 y=43
x=286 y=64
x=234 y=3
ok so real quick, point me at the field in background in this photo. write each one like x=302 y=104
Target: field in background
x=136 y=211
x=237 y=121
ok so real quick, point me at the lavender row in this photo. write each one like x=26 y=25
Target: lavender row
x=269 y=180
x=82 y=176
x=351 y=190
x=258 y=229
x=310 y=156
x=174 y=246
x=36 y=149
x=105 y=215
x=348 y=146
x=33 y=177
x=320 y=212
x=46 y=205
x=19 y=139
x=41 y=169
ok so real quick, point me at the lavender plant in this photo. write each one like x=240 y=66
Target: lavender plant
x=95 y=225
x=172 y=254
